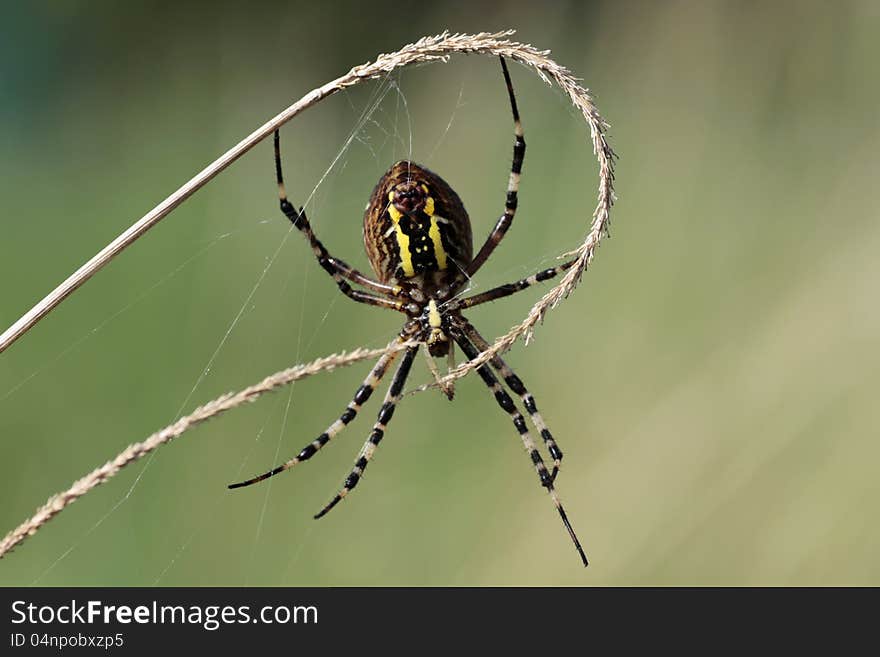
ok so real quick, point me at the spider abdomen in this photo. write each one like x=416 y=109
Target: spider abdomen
x=416 y=227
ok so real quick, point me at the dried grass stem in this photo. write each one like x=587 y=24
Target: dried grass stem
x=132 y=453
x=425 y=50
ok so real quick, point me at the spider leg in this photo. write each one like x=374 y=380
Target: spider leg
x=337 y=269
x=360 y=398
x=448 y=389
x=510 y=203
x=450 y=365
x=511 y=288
x=516 y=385
x=506 y=403
x=393 y=396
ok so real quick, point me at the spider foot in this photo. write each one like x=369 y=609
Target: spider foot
x=323 y=512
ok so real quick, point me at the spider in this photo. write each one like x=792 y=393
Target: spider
x=417 y=236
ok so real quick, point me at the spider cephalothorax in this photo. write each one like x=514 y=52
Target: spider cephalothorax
x=418 y=239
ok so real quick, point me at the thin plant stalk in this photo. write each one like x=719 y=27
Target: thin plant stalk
x=427 y=49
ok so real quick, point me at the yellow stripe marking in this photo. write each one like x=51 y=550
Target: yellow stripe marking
x=434 y=234
x=402 y=242
x=439 y=251
x=405 y=256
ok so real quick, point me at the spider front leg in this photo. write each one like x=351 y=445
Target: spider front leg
x=510 y=203
x=506 y=403
x=395 y=391
x=338 y=270
x=360 y=398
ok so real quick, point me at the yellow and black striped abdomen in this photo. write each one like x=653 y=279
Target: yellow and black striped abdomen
x=416 y=224
x=422 y=240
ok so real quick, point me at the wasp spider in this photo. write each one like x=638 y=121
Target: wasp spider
x=417 y=235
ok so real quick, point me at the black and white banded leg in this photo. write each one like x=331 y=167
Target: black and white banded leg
x=506 y=403
x=512 y=288
x=392 y=397
x=510 y=203
x=516 y=385
x=360 y=398
x=338 y=270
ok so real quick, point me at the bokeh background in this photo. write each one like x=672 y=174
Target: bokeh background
x=713 y=381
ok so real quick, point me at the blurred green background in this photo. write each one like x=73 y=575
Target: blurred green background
x=713 y=381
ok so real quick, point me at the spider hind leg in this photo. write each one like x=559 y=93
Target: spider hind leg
x=511 y=200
